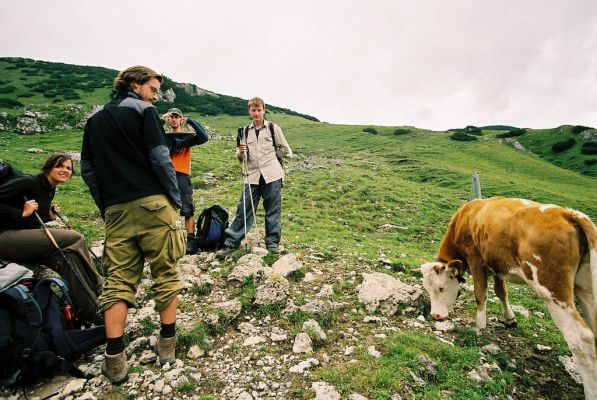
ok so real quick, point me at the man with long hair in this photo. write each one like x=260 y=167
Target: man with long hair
x=126 y=164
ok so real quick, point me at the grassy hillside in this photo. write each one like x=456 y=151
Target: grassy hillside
x=341 y=188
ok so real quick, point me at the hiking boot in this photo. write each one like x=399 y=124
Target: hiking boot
x=221 y=254
x=191 y=244
x=115 y=368
x=166 y=349
x=273 y=249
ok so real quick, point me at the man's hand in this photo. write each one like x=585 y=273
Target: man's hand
x=166 y=117
x=242 y=148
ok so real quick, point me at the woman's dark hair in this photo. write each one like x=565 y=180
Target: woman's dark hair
x=56 y=160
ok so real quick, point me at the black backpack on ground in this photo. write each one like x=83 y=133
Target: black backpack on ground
x=211 y=224
x=39 y=335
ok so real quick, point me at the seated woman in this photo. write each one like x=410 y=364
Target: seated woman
x=22 y=238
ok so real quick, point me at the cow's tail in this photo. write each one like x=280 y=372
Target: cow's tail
x=590 y=231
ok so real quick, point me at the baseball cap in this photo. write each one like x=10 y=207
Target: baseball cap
x=175 y=111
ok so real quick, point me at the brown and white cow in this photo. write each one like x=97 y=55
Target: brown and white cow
x=550 y=248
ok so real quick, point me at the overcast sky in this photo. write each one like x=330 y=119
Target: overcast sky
x=431 y=64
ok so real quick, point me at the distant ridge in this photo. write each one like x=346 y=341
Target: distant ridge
x=54 y=82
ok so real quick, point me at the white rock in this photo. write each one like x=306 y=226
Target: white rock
x=246 y=327
x=325 y=391
x=159 y=386
x=348 y=350
x=521 y=310
x=356 y=396
x=245 y=396
x=195 y=352
x=231 y=308
x=444 y=326
x=274 y=290
x=474 y=376
x=253 y=340
x=326 y=291
x=491 y=348
x=147 y=357
x=302 y=343
x=309 y=277
x=384 y=293
x=377 y=320
x=542 y=348
x=286 y=264
x=278 y=335
x=74 y=386
x=173 y=374
x=312 y=326
x=86 y=396
x=373 y=352
x=304 y=365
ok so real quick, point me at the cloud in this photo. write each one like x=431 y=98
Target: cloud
x=426 y=63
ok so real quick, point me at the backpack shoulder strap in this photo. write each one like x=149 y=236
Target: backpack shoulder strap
x=24 y=300
x=270 y=125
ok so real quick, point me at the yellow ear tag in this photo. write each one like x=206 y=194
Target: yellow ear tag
x=455 y=273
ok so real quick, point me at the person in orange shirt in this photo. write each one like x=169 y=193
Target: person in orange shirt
x=182 y=134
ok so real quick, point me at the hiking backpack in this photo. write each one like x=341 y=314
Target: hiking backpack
x=39 y=335
x=270 y=126
x=211 y=224
x=7 y=172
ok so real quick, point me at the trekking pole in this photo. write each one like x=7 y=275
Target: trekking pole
x=59 y=215
x=246 y=168
x=74 y=271
x=245 y=176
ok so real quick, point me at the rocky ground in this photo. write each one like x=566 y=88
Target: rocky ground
x=257 y=327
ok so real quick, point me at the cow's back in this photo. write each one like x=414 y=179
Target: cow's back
x=507 y=234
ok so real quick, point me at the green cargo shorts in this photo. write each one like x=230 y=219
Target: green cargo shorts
x=139 y=230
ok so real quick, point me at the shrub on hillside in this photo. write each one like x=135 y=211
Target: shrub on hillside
x=463 y=137
x=401 y=131
x=10 y=103
x=589 y=148
x=71 y=96
x=473 y=130
x=511 y=133
x=559 y=147
x=579 y=128
x=7 y=89
x=591 y=161
x=370 y=130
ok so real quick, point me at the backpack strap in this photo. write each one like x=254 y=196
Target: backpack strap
x=26 y=304
x=53 y=314
x=270 y=126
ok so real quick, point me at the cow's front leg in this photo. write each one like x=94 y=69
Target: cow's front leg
x=501 y=291
x=480 y=281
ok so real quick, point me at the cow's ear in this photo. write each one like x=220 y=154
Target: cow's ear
x=456 y=264
x=439 y=268
x=418 y=270
x=457 y=270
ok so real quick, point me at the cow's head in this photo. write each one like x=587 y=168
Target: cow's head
x=441 y=281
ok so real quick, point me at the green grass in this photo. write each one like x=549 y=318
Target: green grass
x=389 y=374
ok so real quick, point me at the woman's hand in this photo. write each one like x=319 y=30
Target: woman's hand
x=29 y=208
x=54 y=211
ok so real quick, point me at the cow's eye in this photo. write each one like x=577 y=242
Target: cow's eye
x=441 y=289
